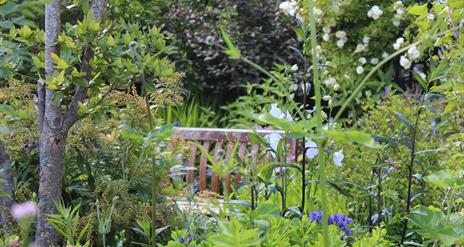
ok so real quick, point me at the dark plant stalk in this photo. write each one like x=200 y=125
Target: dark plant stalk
x=379 y=196
x=410 y=168
x=369 y=218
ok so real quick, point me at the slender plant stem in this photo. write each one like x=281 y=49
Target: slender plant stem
x=317 y=92
x=411 y=167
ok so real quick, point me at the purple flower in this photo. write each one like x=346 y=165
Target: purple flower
x=341 y=220
x=24 y=210
x=181 y=240
x=315 y=216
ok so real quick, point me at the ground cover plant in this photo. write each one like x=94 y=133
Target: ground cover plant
x=370 y=92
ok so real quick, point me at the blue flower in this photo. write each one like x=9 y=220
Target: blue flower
x=181 y=240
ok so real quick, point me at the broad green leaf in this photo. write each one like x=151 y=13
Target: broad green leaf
x=445 y=179
x=60 y=63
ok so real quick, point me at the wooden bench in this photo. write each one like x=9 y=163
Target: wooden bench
x=217 y=141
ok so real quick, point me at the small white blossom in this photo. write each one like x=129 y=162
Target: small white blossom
x=374 y=61
x=326 y=98
x=398 y=43
x=400 y=11
x=405 y=62
x=375 y=12
x=413 y=53
x=294 y=67
x=326 y=29
x=326 y=37
x=396 y=23
x=360 y=48
x=330 y=82
x=366 y=40
x=336 y=87
x=385 y=55
x=430 y=17
x=340 y=43
x=359 y=70
x=338 y=158
x=289 y=7
x=317 y=11
x=362 y=60
x=340 y=34
x=311 y=149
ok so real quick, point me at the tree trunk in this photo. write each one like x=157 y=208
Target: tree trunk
x=52 y=142
x=6 y=187
x=54 y=124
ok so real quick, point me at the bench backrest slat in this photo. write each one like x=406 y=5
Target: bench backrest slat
x=217 y=140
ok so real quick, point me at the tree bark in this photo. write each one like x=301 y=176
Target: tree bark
x=55 y=123
x=7 y=187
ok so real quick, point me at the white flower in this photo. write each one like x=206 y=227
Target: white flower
x=273 y=140
x=359 y=70
x=360 y=48
x=340 y=34
x=374 y=61
x=362 y=60
x=317 y=11
x=311 y=149
x=400 y=11
x=366 y=40
x=326 y=98
x=336 y=87
x=340 y=43
x=330 y=82
x=326 y=29
x=277 y=113
x=398 y=43
x=289 y=7
x=430 y=17
x=385 y=55
x=405 y=62
x=413 y=53
x=294 y=67
x=396 y=24
x=375 y=12
x=338 y=158
x=326 y=37
x=24 y=210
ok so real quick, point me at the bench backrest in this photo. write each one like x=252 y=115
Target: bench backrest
x=218 y=141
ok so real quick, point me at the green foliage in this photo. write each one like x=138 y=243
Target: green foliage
x=66 y=223
x=434 y=225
